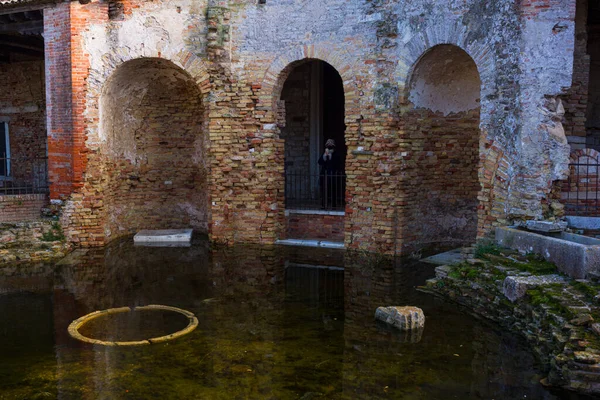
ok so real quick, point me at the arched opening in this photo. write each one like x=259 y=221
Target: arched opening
x=151 y=121
x=311 y=117
x=443 y=127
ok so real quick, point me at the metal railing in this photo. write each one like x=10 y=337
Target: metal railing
x=304 y=191
x=581 y=192
x=23 y=175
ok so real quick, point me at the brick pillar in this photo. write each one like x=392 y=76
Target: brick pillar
x=67 y=68
x=58 y=99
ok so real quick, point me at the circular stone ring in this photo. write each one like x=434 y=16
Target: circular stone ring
x=78 y=323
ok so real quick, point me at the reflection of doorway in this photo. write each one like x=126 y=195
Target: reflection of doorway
x=314 y=112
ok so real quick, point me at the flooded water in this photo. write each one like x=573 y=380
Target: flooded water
x=274 y=323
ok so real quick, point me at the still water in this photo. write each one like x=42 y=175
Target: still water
x=274 y=323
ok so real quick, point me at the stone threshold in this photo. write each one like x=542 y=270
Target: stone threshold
x=311 y=266
x=314 y=212
x=311 y=243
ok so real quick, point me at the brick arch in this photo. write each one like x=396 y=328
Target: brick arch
x=576 y=155
x=197 y=68
x=194 y=66
x=419 y=45
x=282 y=66
x=456 y=34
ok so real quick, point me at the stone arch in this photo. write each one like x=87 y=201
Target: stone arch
x=102 y=69
x=444 y=79
x=153 y=146
x=443 y=121
x=282 y=66
x=453 y=34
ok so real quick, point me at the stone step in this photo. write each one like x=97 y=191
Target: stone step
x=164 y=238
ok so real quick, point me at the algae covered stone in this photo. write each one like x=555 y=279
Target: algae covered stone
x=403 y=318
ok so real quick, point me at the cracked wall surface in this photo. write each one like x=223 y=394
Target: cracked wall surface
x=239 y=54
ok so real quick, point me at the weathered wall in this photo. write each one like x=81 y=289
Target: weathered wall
x=23 y=107
x=442 y=194
x=152 y=138
x=575 y=101
x=240 y=54
x=296 y=133
x=21 y=207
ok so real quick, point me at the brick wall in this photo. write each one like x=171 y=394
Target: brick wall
x=57 y=52
x=575 y=100
x=296 y=133
x=19 y=208
x=308 y=225
x=441 y=192
x=23 y=108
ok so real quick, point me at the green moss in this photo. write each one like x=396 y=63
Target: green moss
x=464 y=271
x=55 y=234
x=534 y=264
x=588 y=289
x=542 y=296
x=484 y=248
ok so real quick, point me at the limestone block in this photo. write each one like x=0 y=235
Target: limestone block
x=515 y=287
x=403 y=318
x=546 y=226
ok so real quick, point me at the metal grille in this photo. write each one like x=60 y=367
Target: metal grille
x=315 y=192
x=23 y=175
x=580 y=194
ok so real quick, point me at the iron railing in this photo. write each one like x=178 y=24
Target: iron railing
x=581 y=192
x=304 y=191
x=23 y=175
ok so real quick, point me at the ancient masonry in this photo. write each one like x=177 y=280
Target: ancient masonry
x=448 y=115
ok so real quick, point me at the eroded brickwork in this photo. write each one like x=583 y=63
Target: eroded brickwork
x=241 y=53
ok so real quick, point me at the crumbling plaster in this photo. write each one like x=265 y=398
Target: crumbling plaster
x=523 y=56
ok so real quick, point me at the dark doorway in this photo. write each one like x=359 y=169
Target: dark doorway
x=313 y=97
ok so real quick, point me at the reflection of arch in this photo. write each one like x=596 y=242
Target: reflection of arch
x=152 y=121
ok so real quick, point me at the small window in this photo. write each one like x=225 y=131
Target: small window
x=4 y=150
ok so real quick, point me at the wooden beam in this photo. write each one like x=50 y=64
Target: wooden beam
x=23 y=27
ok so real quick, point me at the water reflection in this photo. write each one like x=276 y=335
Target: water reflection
x=274 y=323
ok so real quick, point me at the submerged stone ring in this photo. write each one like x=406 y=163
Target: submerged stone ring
x=78 y=323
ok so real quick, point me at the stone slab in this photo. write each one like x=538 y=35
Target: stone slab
x=546 y=226
x=311 y=243
x=162 y=237
x=575 y=255
x=588 y=223
x=448 y=258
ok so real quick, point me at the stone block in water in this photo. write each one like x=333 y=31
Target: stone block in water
x=403 y=318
